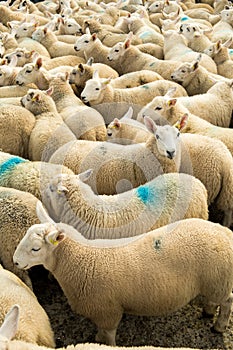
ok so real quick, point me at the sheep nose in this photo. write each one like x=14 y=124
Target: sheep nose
x=76 y=49
x=170 y=154
x=172 y=76
x=17 y=82
x=16 y=264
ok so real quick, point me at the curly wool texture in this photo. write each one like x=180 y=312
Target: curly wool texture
x=16 y=125
x=34 y=326
x=165 y=199
x=85 y=122
x=17 y=214
x=24 y=175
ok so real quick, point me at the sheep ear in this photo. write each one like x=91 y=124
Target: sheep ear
x=218 y=45
x=94 y=36
x=55 y=236
x=81 y=68
x=180 y=124
x=45 y=30
x=38 y=63
x=171 y=102
x=49 y=92
x=95 y=74
x=150 y=124
x=105 y=82
x=171 y=91
x=116 y=123
x=42 y=214
x=228 y=42
x=36 y=98
x=85 y=175
x=127 y=44
x=129 y=113
x=90 y=61
x=88 y=31
x=10 y=324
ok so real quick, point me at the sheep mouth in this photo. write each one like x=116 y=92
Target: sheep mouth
x=109 y=134
x=76 y=49
x=22 y=103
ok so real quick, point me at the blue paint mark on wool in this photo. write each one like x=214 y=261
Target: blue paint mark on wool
x=145 y=34
x=10 y=163
x=185 y=18
x=146 y=194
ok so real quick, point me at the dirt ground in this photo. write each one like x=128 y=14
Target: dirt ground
x=185 y=328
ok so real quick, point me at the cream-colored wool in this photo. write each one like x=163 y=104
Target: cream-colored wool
x=195 y=255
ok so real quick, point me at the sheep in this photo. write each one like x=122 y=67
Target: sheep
x=182 y=53
x=24 y=175
x=85 y=122
x=129 y=58
x=23 y=56
x=33 y=322
x=133 y=164
x=23 y=29
x=171 y=109
x=8 y=73
x=16 y=125
x=127 y=130
x=107 y=37
x=195 y=78
x=223 y=29
x=18 y=213
x=55 y=47
x=220 y=54
x=98 y=90
x=14 y=91
x=215 y=106
x=195 y=35
x=7 y=15
x=203 y=247
x=49 y=129
x=11 y=324
x=68 y=26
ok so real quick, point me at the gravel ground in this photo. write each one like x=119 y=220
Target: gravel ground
x=185 y=328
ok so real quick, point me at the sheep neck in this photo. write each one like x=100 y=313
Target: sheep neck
x=64 y=96
x=98 y=51
x=222 y=56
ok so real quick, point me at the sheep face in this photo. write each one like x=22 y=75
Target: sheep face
x=116 y=52
x=23 y=56
x=93 y=89
x=28 y=74
x=156 y=7
x=25 y=30
x=39 y=34
x=189 y=30
x=227 y=15
x=37 y=245
x=71 y=27
x=83 y=42
x=184 y=73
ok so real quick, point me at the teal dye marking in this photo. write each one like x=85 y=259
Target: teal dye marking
x=144 y=86
x=146 y=194
x=152 y=64
x=144 y=35
x=10 y=163
x=230 y=51
x=184 y=19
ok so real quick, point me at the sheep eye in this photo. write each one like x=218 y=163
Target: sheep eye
x=97 y=89
x=116 y=50
x=27 y=71
x=35 y=249
x=86 y=41
x=24 y=28
x=157 y=136
x=158 y=108
x=69 y=25
x=0 y=74
x=183 y=71
x=178 y=134
x=18 y=55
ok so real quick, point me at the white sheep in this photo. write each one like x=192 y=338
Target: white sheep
x=127 y=130
x=99 y=90
x=223 y=29
x=7 y=15
x=195 y=35
x=215 y=106
x=49 y=128
x=221 y=56
x=132 y=165
x=85 y=122
x=182 y=52
x=195 y=255
x=24 y=175
x=195 y=78
x=170 y=109
x=16 y=125
x=10 y=326
x=33 y=322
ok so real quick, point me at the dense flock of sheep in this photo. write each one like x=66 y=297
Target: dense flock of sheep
x=116 y=167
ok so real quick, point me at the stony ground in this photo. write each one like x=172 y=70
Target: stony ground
x=185 y=328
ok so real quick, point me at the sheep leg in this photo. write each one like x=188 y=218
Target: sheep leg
x=106 y=336
x=227 y=220
x=209 y=309
x=224 y=315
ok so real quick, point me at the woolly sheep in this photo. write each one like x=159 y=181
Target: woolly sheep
x=99 y=90
x=132 y=165
x=182 y=52
x=223 y=29
x=7 y=15
x=52 y=44
x=49 y=129
x=33 y=322
x=81 y=73
x=16 y=125
x=220 y=54
x=197 y=40
x=85 y=122
x=25 y=175
x=181 y=196
x=127 y=130
x=195 y=78
x=215 y=106
x=10 y=325
x=8 y=73
x=129 y=58
x=18 y=213
x=203 y=261
x=170 y=109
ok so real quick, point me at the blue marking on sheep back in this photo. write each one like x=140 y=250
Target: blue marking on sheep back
x=185 y=18
x=146 y=194
x=10 y=163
